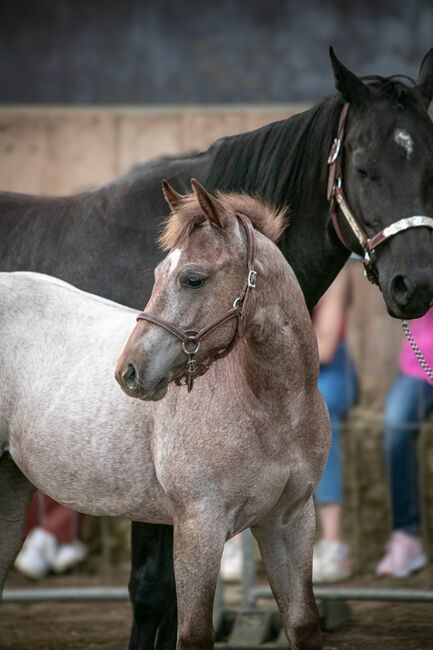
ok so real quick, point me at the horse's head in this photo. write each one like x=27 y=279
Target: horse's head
x=195 y=285
x=388 y=176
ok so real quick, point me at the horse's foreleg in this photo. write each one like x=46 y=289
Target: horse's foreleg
x=152 y=588
x=198 y=547
x=286 y=545
x=15 y=495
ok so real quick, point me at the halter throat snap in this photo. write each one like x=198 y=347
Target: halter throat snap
x=191 y=339
x=337 y=199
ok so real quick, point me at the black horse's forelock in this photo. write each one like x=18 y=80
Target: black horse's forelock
x=397 y=87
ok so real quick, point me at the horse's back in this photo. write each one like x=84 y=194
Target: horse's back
x=44 y=317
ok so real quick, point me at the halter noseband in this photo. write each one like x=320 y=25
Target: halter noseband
x=191 y=339
x=336 y=196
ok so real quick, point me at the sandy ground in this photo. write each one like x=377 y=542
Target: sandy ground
x=86 y=626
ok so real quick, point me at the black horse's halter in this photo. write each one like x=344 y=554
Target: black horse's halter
x=336 y=198
x=191 y=339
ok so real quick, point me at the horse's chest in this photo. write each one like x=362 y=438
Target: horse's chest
x=240 y=473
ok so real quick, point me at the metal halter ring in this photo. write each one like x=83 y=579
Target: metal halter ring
x=191 y=340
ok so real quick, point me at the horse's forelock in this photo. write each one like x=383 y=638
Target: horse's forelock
x=268 y=220
x=396 y=87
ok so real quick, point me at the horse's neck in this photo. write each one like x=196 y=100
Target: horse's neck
x=278 y=358
x=286 y=163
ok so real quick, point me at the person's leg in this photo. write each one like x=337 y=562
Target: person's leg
x=408 y=402
x=338 y=385
x=60 y=521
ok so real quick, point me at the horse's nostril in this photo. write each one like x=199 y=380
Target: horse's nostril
x=400 y=288
x=129 y=375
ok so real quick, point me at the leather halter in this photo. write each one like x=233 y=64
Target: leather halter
x=336 y=197
x=191 y=339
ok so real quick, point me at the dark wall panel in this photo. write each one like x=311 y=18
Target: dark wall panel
x=170 y=51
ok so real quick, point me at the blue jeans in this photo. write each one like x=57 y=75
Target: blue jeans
x=408 y=403
x=338 y=384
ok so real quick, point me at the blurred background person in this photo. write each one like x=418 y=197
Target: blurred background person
x=408 y=403
x=338 y=384
x=52 y=539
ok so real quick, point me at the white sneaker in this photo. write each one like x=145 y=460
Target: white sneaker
x=38 y=551
x=68 y=555
x=231 y=561
x=331 y=562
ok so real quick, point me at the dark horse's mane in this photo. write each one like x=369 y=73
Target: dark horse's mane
x=283 y=159
x=279 y=160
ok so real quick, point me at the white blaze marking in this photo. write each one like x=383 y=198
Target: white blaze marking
x=403 y=139
x=174 y=258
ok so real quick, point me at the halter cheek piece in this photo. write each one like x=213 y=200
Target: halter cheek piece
x=191 y=339
x=336 y=198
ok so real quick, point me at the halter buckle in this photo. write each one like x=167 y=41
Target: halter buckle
x=370 y=271
x=252 y=275
x=335 y=151
x=191 y=366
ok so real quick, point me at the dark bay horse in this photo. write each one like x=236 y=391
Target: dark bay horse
x=101 y=240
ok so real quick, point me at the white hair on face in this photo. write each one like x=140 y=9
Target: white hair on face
x=403 y=139
x=174 y=258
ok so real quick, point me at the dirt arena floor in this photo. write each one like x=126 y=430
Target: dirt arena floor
x=88 y=626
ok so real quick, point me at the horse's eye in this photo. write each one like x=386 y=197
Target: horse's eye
x=193 y=282
x=361 y=172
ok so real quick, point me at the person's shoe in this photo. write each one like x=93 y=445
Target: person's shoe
x=68 y=555
x=38 y=551
x=384 y=568
x=404 y=556
x=231 y=561
x=331 y=562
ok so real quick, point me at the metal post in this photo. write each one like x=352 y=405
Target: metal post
x=354 y=593
x=248 y=569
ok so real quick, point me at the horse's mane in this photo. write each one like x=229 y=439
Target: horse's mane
x=265 y=218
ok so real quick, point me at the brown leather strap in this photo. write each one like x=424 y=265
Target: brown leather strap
x=156 y=320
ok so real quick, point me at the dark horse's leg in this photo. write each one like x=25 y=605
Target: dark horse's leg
x=152 y=588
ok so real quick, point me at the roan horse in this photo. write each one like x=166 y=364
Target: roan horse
x=245 y=449
x=387 y=171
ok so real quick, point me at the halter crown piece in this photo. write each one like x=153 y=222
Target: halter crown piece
x=191 y=339
x=336 y=198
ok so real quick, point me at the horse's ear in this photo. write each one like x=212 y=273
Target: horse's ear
x=173 y=198
x=424 y=84
x=352 y=89
x=211 y=206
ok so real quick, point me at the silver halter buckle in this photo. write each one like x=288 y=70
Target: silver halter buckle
x=252 y=275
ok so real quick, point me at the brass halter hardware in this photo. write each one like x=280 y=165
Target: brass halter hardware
x=191 y=338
